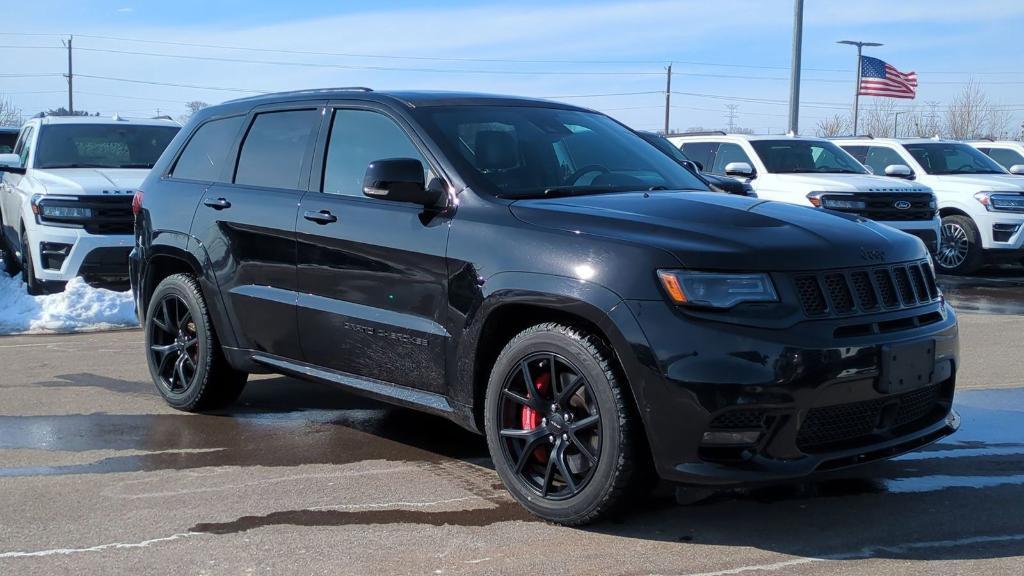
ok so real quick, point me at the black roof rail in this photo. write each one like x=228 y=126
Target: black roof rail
x=699 y=133
x=851 y=137
x=305 y=91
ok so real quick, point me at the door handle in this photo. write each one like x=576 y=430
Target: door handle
x=321 y=217
x=217 y=203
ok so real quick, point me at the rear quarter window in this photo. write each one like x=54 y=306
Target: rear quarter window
x=206 y=152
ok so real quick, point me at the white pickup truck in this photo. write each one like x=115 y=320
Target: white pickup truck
x=66 y=197
x=816 y=172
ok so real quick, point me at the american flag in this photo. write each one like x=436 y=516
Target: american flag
x=880 y=79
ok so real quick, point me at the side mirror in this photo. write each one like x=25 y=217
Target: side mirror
x=11 y=163
x=399 y=180
x=1017 y=169
x=690 y=165
x=899 y=171
x=739 y=169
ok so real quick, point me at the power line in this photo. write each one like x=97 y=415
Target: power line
x=193 y=86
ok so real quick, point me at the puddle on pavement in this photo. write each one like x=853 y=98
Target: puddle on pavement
x=999 y=291
x=278 y=422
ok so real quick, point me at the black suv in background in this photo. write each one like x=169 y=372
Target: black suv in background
x=538 y=273
x=719 y=183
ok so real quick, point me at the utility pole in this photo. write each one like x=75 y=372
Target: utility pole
x=731 y=116
x=856 y=85
x=70 y=77
x=668 y=96
x=794 y=79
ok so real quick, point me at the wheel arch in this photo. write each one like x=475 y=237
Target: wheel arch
x=172 y=257
x=951 y=211
x=516 y=301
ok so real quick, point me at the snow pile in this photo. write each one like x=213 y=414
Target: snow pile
x=80 y=308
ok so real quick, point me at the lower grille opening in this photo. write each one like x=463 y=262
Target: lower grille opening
x=860 y=423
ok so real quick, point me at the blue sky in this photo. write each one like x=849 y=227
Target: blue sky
x=614 y=47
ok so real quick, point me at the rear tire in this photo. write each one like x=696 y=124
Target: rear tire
x=960 y=249
x=536 y=444
x=184 y=355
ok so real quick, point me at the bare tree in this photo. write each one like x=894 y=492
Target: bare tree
x=192 y=107
x=924 y=122
x=879 y=119
x=10 y=115
x=997 y=122
x=836 y=125
x=968 y=113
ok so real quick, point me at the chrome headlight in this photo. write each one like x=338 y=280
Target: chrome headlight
x=1001 y=201
x=834 y=201
x=715 y=289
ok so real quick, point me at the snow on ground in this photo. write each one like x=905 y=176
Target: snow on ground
x=80 y=308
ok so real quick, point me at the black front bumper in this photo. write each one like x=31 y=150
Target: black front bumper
x=807 y=399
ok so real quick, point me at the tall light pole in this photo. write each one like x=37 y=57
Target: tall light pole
x=896 y=125
x=856 y=84
x=794 y=75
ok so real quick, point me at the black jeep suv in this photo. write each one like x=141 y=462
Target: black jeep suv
x=538 y=273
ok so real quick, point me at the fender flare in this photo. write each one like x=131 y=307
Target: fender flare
x=592 y=302
x=183 y=247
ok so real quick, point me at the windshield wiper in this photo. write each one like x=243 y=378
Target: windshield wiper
x=75 y=165
x=140 y=165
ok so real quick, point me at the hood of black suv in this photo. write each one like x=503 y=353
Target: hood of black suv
x=710 y=231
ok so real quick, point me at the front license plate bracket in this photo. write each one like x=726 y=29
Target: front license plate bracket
x=907 y=366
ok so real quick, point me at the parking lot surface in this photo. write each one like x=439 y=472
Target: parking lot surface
x=98 y=476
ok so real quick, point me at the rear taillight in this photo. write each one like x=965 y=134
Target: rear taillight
x=137 y=202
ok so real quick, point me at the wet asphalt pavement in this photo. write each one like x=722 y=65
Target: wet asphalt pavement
x=98 y=476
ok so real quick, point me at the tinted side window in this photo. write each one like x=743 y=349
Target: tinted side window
x=878 y=158
x=204 y=154
x=275 y=147
x=359 y=137
x=703 y=152
x=858 y=152
x=1006 y=157
x=727 y=153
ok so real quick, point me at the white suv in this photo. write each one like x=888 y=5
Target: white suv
x=981 y=204
x=1008 y=153
x=66 y=197
x=816 y=172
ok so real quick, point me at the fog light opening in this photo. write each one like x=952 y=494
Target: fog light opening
x=731 y=437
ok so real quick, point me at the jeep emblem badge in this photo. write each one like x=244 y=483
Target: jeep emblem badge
x=872 y=255
x=902 y=205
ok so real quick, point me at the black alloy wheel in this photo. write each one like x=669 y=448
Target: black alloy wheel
x=550 y=425
x=563 y=433
x=184 y=355
x=174 y=345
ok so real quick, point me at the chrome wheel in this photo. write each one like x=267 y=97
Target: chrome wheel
x=550 y=426
x=174 y=344
x=953 y=246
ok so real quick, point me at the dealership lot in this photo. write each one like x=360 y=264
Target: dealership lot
x=99 y=475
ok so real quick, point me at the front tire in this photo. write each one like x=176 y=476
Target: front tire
x=34 y=286
x=184 y=356
x=960 y=249
x=560 y=428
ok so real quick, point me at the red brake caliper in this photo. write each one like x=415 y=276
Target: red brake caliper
x=531 y=418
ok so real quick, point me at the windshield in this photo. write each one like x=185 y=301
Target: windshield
x=804 y=156
x=952 y=158
x=101 y=145
x=520 y=151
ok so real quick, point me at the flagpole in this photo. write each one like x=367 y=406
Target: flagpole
x=856 y=84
